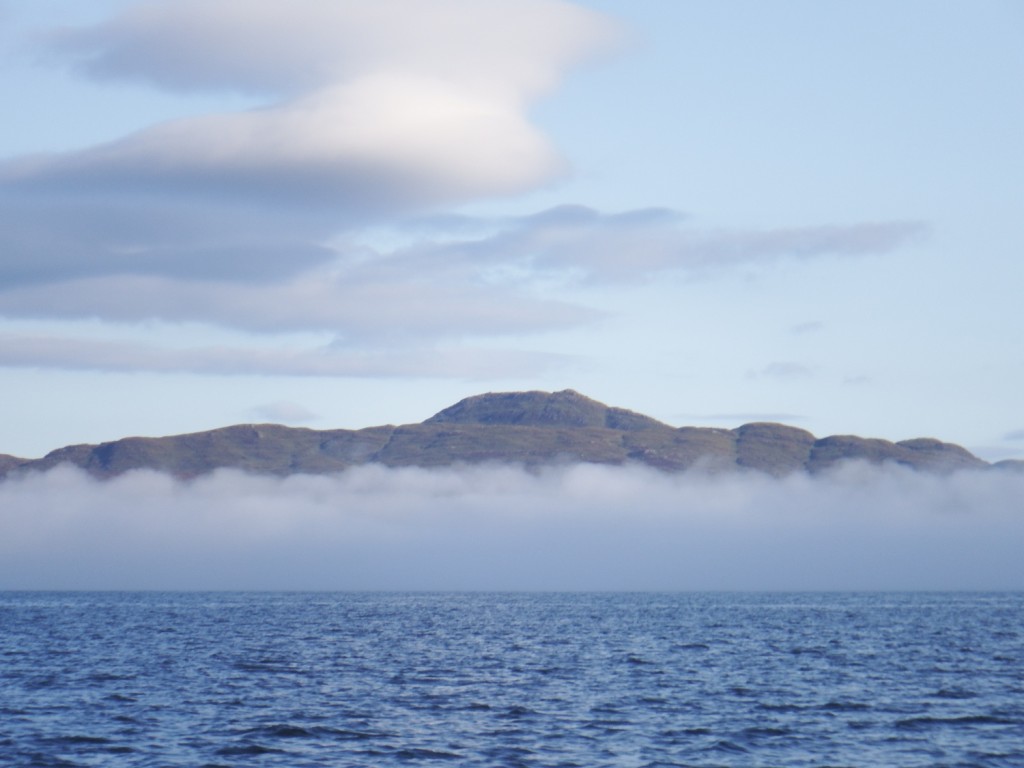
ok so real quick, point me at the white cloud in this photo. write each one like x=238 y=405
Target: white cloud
x=386 y=143
x=286 y=47
x=370 y=112
x=335 y=360
x=633 y=245
x=381 y=297
x=371 y=107
x=493 y=527
x=468 y=274
x=450 y=278
x=53 y=239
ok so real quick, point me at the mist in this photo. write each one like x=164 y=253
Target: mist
x=581 y=527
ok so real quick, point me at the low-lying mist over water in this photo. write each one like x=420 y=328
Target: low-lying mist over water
x=580 y=527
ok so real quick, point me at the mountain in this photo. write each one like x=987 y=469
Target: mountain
x=529 y=428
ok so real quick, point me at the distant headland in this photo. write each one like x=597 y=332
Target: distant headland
x=526 y=428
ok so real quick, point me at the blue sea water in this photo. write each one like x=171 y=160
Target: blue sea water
x=483 y=679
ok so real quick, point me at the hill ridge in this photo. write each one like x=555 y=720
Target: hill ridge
x=531 y=428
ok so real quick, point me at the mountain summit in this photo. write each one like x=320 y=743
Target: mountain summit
x=567 y=408
x=528 y=428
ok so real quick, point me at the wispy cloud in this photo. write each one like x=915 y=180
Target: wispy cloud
x=77 y=353
x=371 y=111
x=783 y=369
x=582 y=527
x=596 y=246
x=455 y=277
x=360 y=301
x=379 y=115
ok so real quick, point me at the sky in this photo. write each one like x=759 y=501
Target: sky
x=342 y=214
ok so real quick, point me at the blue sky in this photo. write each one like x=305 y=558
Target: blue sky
x=340 y=214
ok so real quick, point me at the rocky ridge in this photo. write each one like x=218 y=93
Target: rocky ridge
x=528 y=428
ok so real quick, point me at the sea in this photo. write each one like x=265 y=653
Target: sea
x=509 y=679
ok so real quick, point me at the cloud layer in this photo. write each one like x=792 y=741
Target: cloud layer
x=454 y=279
x=366 y=116
x=581 y=527
x=331 y=360
x=370 y=111
x=284 y=49
x=386 y=104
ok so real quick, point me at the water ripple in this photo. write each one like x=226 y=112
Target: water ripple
x=301 y=680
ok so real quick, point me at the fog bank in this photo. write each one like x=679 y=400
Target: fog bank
x=505 y=528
